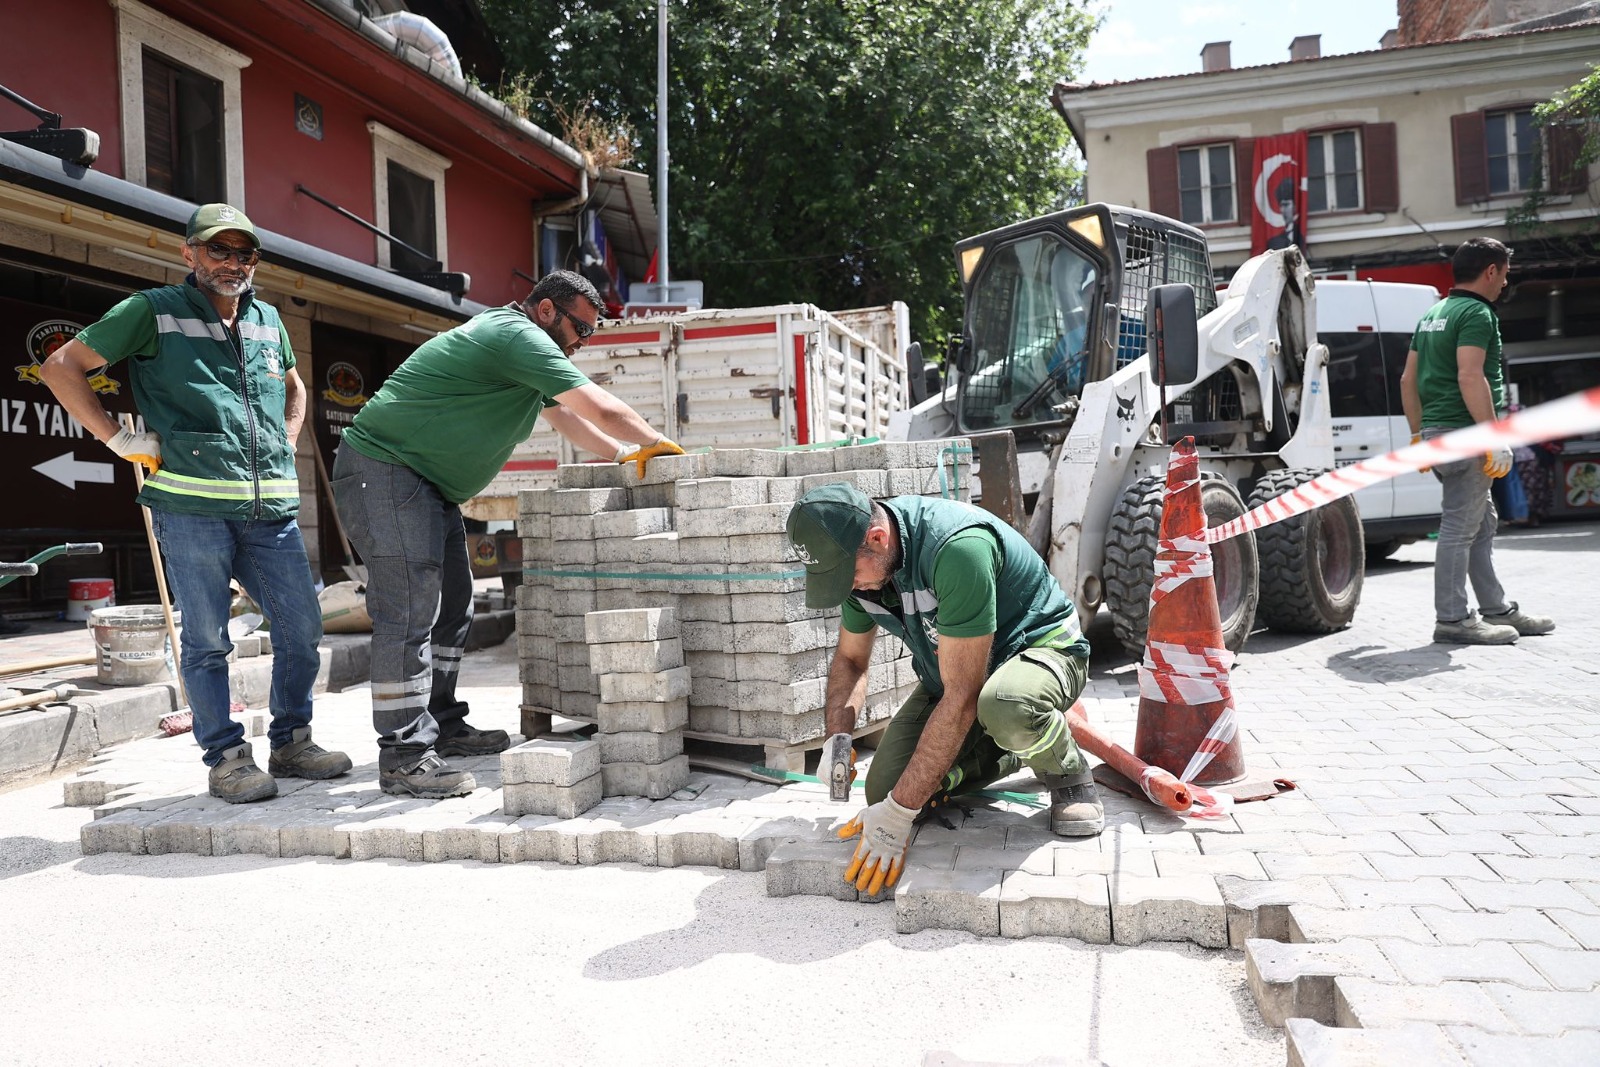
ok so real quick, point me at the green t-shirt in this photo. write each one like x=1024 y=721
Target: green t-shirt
x=455 y=409
x=964 y=579
x=1460 y=320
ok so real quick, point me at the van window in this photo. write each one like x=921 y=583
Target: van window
x=1358 y=381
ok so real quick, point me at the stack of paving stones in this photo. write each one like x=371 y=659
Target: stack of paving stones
x=703 y=535
x=548 y=776
x=644 y=701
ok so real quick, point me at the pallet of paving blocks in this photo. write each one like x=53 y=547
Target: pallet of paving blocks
x=703 y=535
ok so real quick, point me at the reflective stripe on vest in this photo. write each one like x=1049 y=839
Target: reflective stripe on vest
x=192 y=327
x=254 y=331
x=217 y=489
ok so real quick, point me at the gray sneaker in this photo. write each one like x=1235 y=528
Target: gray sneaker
x=1520 y=621
x=1473 y=631
x=429 y=777
x=238 y=780
x=304 y=758
x=1075 y=808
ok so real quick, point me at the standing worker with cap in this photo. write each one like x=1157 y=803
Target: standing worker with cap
x=213 y=375
x=440 y=427
x=995 y=643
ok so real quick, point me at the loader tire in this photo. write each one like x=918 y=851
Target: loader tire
x=1130 y=561
x=1313 y=565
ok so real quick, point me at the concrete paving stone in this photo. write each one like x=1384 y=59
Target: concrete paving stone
x=1509 y=823
x=550 y=762
x=1361 y=1002
x=254 y=830
x=87 y=792
x=1179 y=908
x=1564 y=968
x=640 y=746
x=1311 y=1044
x=621 y=830
x=635 y=522
x=1581 y=1048
x=1401 y=868
x=1367 y=893
x=1546 y=1011
x=1390 y=824
x=526 y=841
x=654 y=780
x=476 y=838
x=765 y=833
x=1546 y=868
x=140 y=800
x=704 y=607
x=1034 y=905
x=122 y=832
x=1257 y=909
x=538 y=798
x=1531 y=803
x=1141 y=863
x=186 y=830
x=979 y=858
x=700 y=494
x=1289 y=865
x=587 y=501
x=646 y=686
x=806 y=462
x=654 y=716
x=948 y=900
x=393 y=837
x=315 y=833
x=1580 y=805
x=1484 y=962
x=636 y=657
x=1435 y=805
x=1313 y=922
x=1263 y=819
x=798 y=867
x=704 y=839
x=1276 y=841
x=1471 y=927
x=1564 y=825
x=1297 y=980
x=1180 y=864
x=1583 y=927
x=1481 y=843
x=1131 y=839
x=1503 y=896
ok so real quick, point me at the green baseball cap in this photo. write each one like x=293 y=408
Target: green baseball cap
x=826 y=527
x=209 y=220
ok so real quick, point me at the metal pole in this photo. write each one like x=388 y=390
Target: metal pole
x=663 y=272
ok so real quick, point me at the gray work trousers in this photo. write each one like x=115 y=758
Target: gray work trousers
x=1465 y=554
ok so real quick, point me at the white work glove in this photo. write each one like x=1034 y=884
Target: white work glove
x=838 y=766
x=1497 y=464
x=142 y=448
x=885 y=829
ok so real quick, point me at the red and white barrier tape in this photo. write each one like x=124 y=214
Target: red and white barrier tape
x=1219 y=737
x=1184 y=674
x=1177 y=561
x=1569 y=417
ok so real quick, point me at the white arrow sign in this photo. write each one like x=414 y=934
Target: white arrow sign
x=69 y=471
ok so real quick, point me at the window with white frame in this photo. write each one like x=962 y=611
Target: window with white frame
x=181 y=128
x=1333 y=171
x=1512 y=145
x=408 y=195
x=1205 y=184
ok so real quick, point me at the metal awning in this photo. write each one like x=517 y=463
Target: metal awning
x=89 y=189
x=622 y=197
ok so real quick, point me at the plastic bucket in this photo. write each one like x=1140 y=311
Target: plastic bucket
x=132 y=645
x=84 y=595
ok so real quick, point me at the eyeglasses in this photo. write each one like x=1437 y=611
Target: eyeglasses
x=220 y=253
x=581 y=328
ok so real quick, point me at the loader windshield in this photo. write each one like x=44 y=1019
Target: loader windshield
x=1030 y=328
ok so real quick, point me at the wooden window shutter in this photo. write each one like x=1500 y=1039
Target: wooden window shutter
x=1379 y=167
x=1244 y=162
x=160 y=141
x=1566 y=176
x=1162 y=165
x=1471 y=157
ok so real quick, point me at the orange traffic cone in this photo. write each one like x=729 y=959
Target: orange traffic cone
x=1186 y=722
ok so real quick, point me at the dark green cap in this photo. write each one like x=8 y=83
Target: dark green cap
x=209 y=220
x=826 y=527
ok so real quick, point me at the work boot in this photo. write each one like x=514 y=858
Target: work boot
x=465 y=740
x=429 y=777
x=304 y=758
x=1520 y=621
x=1075 y=808
x=238 y=780
x=1474 y=631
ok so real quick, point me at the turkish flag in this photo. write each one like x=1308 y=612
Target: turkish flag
x=1278 y=192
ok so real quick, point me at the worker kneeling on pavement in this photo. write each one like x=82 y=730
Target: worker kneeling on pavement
x=995 y=643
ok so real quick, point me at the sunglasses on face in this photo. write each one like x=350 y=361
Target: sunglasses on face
x=220 y=253
x=581 y=328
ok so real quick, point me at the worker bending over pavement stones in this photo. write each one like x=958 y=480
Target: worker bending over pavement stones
x=441 y=426
x=214 y=377
x=997 y=649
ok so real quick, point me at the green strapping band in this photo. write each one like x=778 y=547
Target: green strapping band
x=741 y=576
x=1029 y=799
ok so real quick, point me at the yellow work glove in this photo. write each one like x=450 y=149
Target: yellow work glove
x=142 y=448
x=1416 y=439
x=641 y=456
x=1497 y=464
x=885 y=829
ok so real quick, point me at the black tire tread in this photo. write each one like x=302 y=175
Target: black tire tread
x=1288 y=603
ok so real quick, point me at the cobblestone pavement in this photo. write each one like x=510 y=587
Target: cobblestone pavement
x=1431 y=891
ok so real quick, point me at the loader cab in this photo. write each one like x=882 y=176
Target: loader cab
x=1056 y=302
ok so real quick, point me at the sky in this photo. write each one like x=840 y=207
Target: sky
x=1151 y=38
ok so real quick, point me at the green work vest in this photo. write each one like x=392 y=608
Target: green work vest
x=216 y=397
x=1030 y=608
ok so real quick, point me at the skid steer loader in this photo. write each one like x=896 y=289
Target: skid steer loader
x=1056 y=354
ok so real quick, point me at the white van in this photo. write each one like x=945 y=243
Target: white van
x=1367 y=327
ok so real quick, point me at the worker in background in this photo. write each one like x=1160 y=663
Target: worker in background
x=441 y=426
x=213 y=375
x=1453 y=378
x=996 y=646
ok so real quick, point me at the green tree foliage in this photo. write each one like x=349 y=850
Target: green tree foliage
x=1578 y=108
x=828 y=151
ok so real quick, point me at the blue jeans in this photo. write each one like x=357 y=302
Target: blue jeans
x=1467 y=522
x=419 y=594
x=268 y=558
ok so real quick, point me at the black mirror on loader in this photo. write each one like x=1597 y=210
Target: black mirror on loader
x=1174 y=339
x=959 y=355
